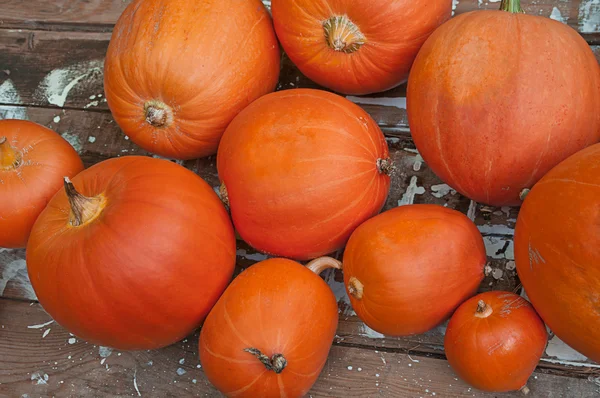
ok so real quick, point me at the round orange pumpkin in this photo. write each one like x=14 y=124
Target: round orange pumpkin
x=270 y=333
x=557 y=238
x=132 y=254
x=178 y=71
x=33 y=162
x=356 y=47
x=406 y=270
x=494 y=341
x=301 y=169
x=491 y=101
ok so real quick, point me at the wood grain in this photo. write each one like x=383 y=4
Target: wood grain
x=41 y=359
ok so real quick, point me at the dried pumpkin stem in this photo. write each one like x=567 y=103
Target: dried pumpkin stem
x=224 y=195
x=9 y=157
x=355 y=288
x=276 y=363
x=385 y=166
x=158 y=114
x=322 y=263
x=513 y=6
x=525 y=390
x=524 y=193
x=483 y=310
x=341 y=34
x=83 y=209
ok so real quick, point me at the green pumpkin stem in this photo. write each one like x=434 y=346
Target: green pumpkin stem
x=513 y=6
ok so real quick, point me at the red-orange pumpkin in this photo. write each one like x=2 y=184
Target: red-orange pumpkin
x=491 y=101
x=406 y=270
x=301 y=169
x=356 y=47
x=33 y=162
x=557 y=242
x=178 y=71
x=132 y=254
x=494 y=341
x=270 y=333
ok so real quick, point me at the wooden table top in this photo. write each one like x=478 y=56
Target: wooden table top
x=51 y=59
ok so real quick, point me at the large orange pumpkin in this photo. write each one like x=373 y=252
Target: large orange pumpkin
x=494 y=341
x=132 y=254
x=406 y=270
x=178 y=71
x=491 y=101
x=270 y=333
x=356 y=47
x=557 y=241
x=301 y=169
x=33 y=162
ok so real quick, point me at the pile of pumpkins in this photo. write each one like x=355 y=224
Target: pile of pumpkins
x=503 y=106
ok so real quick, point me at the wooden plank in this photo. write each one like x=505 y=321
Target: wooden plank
x=39 y=358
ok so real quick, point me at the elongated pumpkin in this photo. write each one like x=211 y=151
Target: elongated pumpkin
x=270 y=333
x=33 y=161
x=406 y=270
x=178 y=71
x=356 y=47
x=132 y=254
x=491 y=101
x=557 y=238
x=494 y=341
x=301 y=169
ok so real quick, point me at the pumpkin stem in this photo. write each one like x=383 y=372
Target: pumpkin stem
x=276 y=363
x=341 y=34
x=9 y=157
x=320 y=264
x=483 y=310
x=355 y=288
x=158 y=114
x=524 y=193
x=525 y=390
x=83 y=209
x=513 y=6
x=224 y=194
x=385 y=166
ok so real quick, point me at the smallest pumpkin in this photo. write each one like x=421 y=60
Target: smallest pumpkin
x=494 y=341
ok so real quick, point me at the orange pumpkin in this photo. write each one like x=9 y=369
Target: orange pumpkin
x=178 y=71
x=301 y=169
x=270 y=333
x=132 y=254
x=406 y=270
x=556 y=247
x=494 y=341
x=356 y=47
x=33 y=162
x=490 y=101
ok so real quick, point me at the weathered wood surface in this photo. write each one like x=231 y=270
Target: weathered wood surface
x=39 y=358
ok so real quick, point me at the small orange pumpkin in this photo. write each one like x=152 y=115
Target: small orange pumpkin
x=270 y=333
x=33 y=162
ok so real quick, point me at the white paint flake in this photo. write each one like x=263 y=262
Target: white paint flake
x=560 y=350
x=496 y=247
x=91 y=139
x=408 y=198
x=399 y=102
x=589 y=16
x=557 y=16
x=496 y=229
x=251 y=256
x=57 y=85
x=441 y=190
x=102 y=361
x=16 y=272
x=370 y=333
x=40 y=377
x=135 y=384
x=10 y=96
x=74 y=140
x=104 y=352
x=181 y=371
x=454 y=5
x=41 y=325
x=472 y=212
x=72 y=340
x=46 y=332
x=339 y=290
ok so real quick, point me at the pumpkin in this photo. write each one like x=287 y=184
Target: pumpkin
x=407 y=270
x=178 y=71
x=356 y=47
x=490 y=101
x=270 y=333
x=301 y=169
x=33 y=161
x=556 y=250
x=494 y=341
x=132 y=254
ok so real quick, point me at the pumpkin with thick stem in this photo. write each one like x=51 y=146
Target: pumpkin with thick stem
x=132 y=253
x=178 y=71
x=300 y=170
x=356 y=47
x=491 y=101
x=494 y=341
x=33 y=161
x=406 y=270
x=270 y=333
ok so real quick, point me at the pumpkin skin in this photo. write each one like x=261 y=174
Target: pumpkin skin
x=302 y=168
x=494 y=341
x=155 y=252
x=178 y=71
x=477 y=86
x=397 y=283
x=43 y=158
x=556 y=250
x=356 y=47
x=280 y=308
